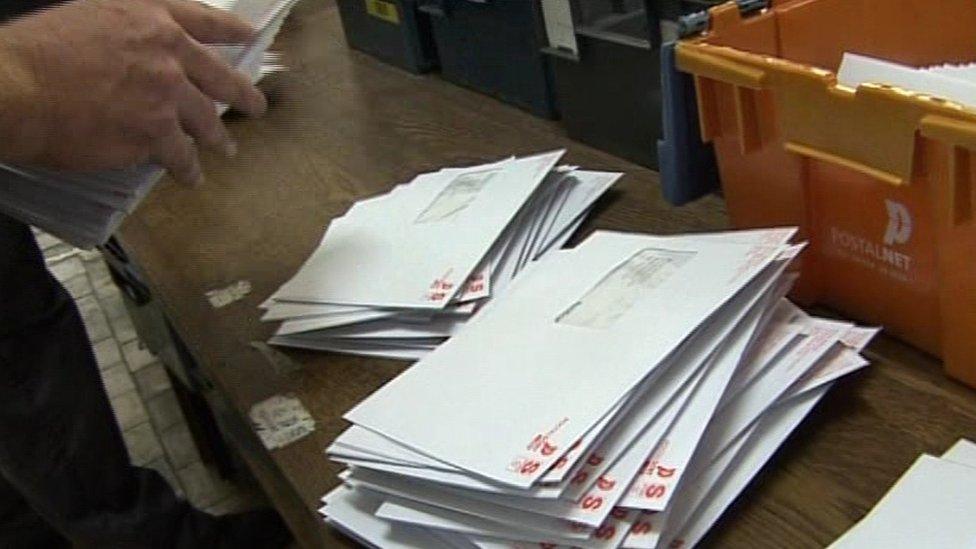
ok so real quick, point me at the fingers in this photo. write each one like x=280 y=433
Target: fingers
x=199 y=118
x=209 y=25
x=176 y=152
x=208 y=78
x=214 y=77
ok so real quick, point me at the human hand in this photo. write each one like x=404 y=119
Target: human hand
x=99 y=84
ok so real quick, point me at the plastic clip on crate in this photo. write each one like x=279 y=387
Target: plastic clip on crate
x=390 y=30
x=493 y=46
x=880 y=179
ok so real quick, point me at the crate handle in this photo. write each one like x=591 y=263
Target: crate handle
x=709 y=69
x=959 y=205
x=961 y=138
x=819 y=154
x=692 y=59
x=747 y=120
x=746 y=114
x=951 y=130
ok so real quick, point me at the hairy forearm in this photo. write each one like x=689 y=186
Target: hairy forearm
x=21 y=136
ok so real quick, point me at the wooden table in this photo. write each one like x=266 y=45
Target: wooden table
x=343 y=126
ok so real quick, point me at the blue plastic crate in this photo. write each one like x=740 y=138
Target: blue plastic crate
x=687 y=165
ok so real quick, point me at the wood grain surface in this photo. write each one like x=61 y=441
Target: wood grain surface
x=343 y=126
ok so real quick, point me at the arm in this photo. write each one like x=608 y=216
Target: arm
x=98 y=84
x=18 y=125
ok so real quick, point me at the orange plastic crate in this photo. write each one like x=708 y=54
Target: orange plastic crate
x=879 y=179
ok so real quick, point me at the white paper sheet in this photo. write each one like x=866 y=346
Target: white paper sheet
x=353 y=512
x=856 y=70
x=931 y=505
x=558 y=17
x=962 y=452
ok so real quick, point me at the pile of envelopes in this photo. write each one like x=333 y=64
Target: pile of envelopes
x=620 y=394
x=400 y=273
x=84 y=209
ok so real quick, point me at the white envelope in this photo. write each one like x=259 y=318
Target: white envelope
x=778 y=339
x=859 y=69
x=838 y=363
x=931 y=505
x=451 y=499
x=360 y=322
x=313 y=323
x=962 y=452
x=591 y=506
x=610 y=488
x=438 y=518
x=379 y=448
x=647 y=530
x=768 y=436
x=583 y=189
x=356 y=456
x=342 y=347
x=722 y=442
x=776 y=379
x=379 y=265
x=556 y=331
x=693 y=353
x=654 y=489
x=713 y=466
x=353 y=513
x=608 y=536
x=647 y=474
x=548 y=198
x=366 y=440
x=448 y=479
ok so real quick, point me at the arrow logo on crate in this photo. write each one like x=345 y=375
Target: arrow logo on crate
x=899 y=223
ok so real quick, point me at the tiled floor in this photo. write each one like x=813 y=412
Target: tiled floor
x=146 y=408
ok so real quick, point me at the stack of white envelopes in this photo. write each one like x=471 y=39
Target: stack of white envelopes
x=400 y=273
x=620 y=394
x=84 y=209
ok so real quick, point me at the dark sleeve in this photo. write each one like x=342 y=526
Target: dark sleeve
x=13 y=8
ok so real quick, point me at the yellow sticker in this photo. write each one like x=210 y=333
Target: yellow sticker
x=386 y=11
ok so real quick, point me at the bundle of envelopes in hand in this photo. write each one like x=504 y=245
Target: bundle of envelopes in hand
x=84 y=209
x=619 y=394
x=401 y=272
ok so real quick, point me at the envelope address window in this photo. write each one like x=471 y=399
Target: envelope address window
x=619 y=289
x=455 y=197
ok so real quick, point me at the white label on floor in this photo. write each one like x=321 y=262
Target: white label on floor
x=281 y=420
x=222 y=297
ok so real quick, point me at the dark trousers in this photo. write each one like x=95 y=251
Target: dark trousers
x=64 y=469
